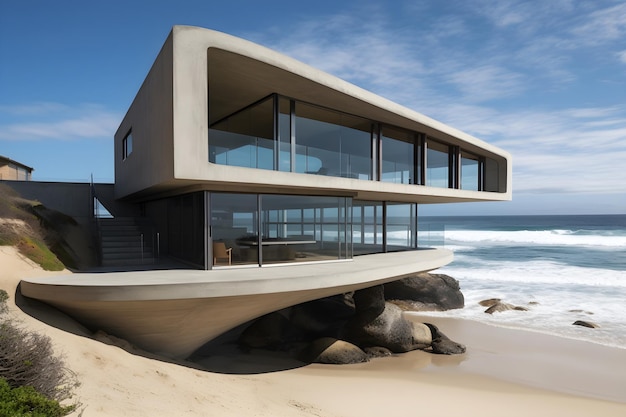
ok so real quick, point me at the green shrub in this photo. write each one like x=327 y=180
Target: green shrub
x=26 y=402
x=38 y=252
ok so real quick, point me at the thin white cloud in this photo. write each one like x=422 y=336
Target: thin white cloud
x=603 y=25
x=430 y=68
x=622 y=56
x=486 y=82
x=55 y=121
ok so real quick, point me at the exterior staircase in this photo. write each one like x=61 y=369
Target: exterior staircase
x=122 y=243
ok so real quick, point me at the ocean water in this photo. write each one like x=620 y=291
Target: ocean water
x=562 y=268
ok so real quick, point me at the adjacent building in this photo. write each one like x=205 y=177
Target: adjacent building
x=11 y=170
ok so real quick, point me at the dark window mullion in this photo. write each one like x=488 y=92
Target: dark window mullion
x=384 y=227
x=292 y=139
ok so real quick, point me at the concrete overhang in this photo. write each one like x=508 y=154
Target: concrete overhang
x=210 y=75
x=174 y=312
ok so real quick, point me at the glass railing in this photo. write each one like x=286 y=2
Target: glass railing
x=431 y=235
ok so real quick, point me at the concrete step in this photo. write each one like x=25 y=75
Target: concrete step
x=128 y=262
x=129 y=239
x=121 y=243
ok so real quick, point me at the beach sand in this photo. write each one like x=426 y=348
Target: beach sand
x=513 y=372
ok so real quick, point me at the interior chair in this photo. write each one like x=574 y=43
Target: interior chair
x=222 y=253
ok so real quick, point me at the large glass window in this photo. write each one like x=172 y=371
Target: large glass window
x=398 y=160
x=332 y=143
x=437 y=165
x=292 y=228
x=245 y=138
x=279 y=133
x=470 y=176
x=284 y=134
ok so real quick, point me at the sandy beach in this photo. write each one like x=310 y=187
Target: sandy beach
x=505 y=371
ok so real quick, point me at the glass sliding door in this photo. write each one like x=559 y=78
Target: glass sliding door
x=367 y=227
x=304 y=228
x=234 y=229
x=279 y=228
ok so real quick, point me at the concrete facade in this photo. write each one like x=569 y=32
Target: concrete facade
x=170 y=127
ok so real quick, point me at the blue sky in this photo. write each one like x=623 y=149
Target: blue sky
x=545 y=80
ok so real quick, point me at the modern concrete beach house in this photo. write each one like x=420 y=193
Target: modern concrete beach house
x=276 y=183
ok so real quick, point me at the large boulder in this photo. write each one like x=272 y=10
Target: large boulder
x=323 y=317
x=426 y=292
x=389 y=329
x=333 y=351
x=369 y=303
x=270 y=331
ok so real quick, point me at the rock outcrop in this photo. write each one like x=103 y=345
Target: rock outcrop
x=389 y=330
x=495 y=305
x=333 y=351
x=426 y=292
x=348 y=328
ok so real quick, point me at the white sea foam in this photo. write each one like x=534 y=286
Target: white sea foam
x=560 y=294
x=537 y=237
x=535 y=272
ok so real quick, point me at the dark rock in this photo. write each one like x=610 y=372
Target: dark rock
x=369 y=303
x=333 y=351
x=377 y=352
x=389 y=329
x=442 y=344
x=267 y=332
x=489 y=302
x=447 y=347
x=323 y=317
x=435 y=291
x=499 y=307
x=583 y=323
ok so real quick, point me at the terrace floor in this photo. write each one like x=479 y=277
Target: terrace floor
x=174 y=312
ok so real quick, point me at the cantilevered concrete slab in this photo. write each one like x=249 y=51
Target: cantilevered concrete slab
x=174 y=312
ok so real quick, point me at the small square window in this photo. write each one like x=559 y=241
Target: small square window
x=127 y=145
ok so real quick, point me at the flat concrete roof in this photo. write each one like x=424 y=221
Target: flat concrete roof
x=174 y=312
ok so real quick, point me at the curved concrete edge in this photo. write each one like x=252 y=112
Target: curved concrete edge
x=175 y=312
